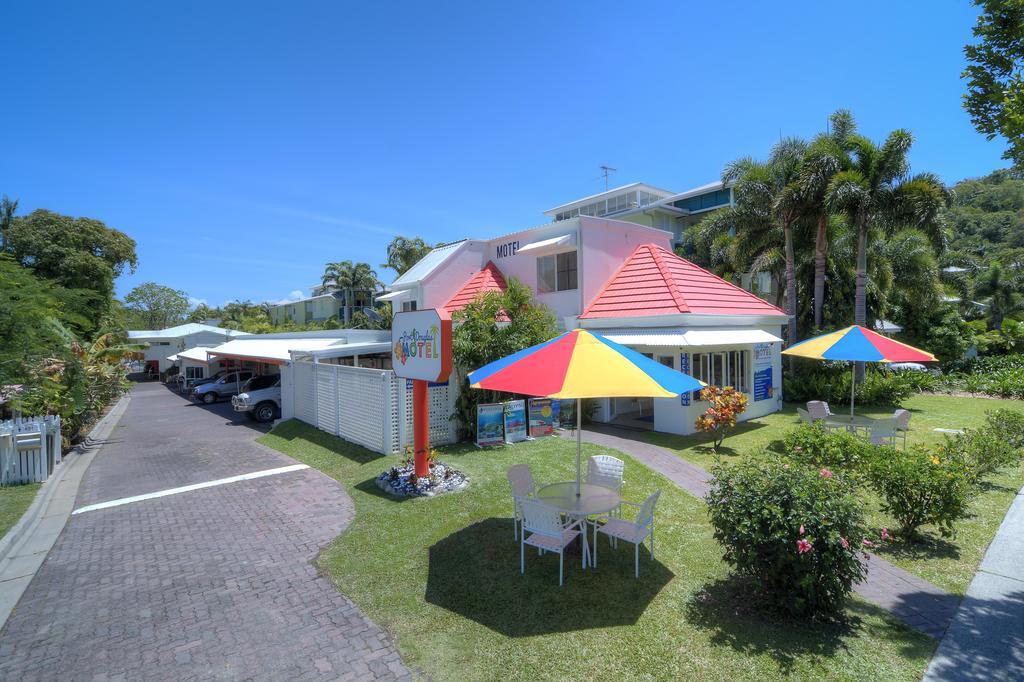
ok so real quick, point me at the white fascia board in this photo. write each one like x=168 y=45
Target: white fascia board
x=682 y=320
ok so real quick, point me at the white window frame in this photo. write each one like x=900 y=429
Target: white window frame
x=723 y=368
x=555 y=261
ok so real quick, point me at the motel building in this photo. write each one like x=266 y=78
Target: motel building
x=622 y=279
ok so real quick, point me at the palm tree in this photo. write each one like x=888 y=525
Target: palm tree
x=876 y=192
x=348 y=278
x=1003 y=293
x=769 y=194
x=826 y=156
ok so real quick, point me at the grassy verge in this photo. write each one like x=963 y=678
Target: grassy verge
x=949 y=563
x=14 y=500
x=442 y=575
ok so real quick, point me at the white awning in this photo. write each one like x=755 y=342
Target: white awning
x=673 y=338
x=349 y=350
x=197 y=354
x=272 y=351
x=543 y=246
x=395 y=295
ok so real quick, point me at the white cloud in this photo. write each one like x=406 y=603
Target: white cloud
x=295 y=295
x=195 y=302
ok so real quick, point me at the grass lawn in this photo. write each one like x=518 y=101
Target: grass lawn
x=442 y=576
x=948 y=563
x=14 y=500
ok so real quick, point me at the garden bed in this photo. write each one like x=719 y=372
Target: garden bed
x=401 y=481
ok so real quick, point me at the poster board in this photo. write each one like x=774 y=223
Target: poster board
x=515 y=421
x=490 y=424
x=763 y=388
x=541 y=423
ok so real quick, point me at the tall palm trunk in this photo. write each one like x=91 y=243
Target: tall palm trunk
x=820 y=255
x=787 y=231
x=860 y=301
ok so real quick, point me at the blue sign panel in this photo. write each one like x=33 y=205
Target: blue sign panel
x=684 y=367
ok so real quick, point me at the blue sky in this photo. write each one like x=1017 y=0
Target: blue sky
x=243 y=145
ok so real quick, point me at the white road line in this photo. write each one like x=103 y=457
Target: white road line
x=188 y=488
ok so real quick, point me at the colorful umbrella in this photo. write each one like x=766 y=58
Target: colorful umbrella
x=581 y=364
x=857 y=344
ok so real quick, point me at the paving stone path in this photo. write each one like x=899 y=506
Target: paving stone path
x=923 y=606
x=214 y=583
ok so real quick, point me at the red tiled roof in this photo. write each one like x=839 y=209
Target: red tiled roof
x=488 y=279
x=655 y=281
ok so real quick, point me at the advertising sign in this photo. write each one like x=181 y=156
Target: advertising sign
x=490 y=419
x=421 y=345
x=684 y=367
x=556 y=412
x=515 y=421
x=541 y=422
x=763 y=389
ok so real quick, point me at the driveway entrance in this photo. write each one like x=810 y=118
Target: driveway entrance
x=189 y=556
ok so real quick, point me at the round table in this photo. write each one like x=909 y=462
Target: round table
x=593 y=499
x=850 y=423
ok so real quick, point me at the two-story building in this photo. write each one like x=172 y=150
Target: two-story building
x=318 y=307
x=621 y=279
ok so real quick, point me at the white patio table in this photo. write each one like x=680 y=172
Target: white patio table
x=593 y=499
x=851 y=423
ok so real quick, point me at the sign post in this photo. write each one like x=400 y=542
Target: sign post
x=421 y=350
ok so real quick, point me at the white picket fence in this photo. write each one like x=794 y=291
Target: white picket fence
x=370 y=407
x=30 y=448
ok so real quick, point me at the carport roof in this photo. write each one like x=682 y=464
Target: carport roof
x=279 y=351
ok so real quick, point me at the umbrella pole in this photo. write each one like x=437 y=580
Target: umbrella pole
x=579 y=440
x=853 y=382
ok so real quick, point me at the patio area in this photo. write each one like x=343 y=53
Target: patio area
x=443 y=576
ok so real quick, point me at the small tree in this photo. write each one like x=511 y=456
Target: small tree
x=725 y=404
x=155 y=306
x=493 y=326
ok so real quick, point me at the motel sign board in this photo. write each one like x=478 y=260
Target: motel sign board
x=421 y=345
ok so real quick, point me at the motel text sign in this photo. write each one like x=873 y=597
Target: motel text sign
x=421 y=345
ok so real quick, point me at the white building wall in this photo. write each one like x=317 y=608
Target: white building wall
x=442 y=284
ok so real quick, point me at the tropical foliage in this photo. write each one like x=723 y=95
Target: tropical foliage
x=794 y=533
x=724 y=406
x=495 y=325
x=155 y=306
x=349 y=278
x=403 y=253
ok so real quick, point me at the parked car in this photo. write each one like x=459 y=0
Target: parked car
x=210 y=379
x=260 y=398
x=224 y=387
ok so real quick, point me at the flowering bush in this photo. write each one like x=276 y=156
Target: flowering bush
x=920 y=486
x=795 y=532
x=725 y=404
x=811 y=444
x=983 y=452
x=1009 y=424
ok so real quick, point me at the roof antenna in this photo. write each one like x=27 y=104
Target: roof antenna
x=605 y=170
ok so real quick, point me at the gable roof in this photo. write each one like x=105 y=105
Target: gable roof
x=655 y=281
x=181 y=330
x=425 y=266
x=488 y=279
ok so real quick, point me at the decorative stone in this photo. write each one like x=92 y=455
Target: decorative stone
x=398 y=481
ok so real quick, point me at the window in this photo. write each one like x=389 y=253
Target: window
x=724 y=368
x=193 y=372
x=556 y=273
x=408 y=306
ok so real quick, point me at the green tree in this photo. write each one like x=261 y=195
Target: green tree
x=155 y=306
x=1002 y=292
x=27 y=307
x=826 y=156
x=493 y=326
x=81 y=255
x=995 y=75
x=349 y=278
x=203 y=312
x=877 y=194
x=7 y=210
x=403 y=253
x=769 y=193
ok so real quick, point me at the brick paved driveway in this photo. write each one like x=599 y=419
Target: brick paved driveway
x=213 y=583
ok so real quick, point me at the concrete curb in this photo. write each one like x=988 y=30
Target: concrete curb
x=24 y=548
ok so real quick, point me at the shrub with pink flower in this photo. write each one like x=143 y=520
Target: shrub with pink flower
x=825 y=473
x=793 y=533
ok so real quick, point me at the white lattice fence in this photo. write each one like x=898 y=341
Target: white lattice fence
x=442 y=400
x=370 y=407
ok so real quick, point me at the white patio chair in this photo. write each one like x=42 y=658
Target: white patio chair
x=521 y=479
x=636 y=531
x=543 y=528
x=902 y=424
x=883 y=432
x=818 y=409
x=805 y=416
x=605 y=471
